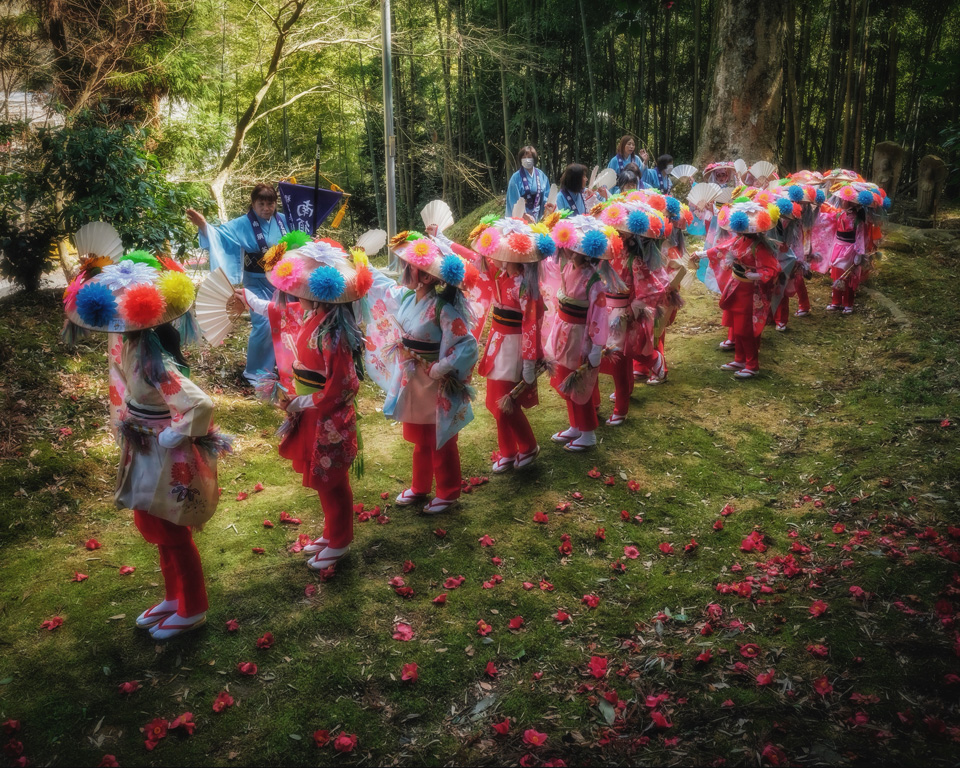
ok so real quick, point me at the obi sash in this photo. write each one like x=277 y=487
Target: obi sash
x=429 y=350
x=618 y=300
x=306 y=382
x=571 y=312
x=847 y=235
x=506 y=321
x=251 y=261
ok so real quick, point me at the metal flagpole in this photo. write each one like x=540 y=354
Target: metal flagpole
x=390 y=139
x=316 y=178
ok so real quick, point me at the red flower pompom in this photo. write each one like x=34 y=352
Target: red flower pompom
x=763 y=220
x=519 y=242
x=142 y=305
x=364 y=280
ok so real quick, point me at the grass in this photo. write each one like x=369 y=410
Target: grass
x=851 y=402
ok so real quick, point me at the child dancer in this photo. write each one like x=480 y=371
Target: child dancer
x=318 y=349
x=168 y=446
x=855 y=241
x=746 y=269
x=577 y=333
x=421 y=352
x=510 y=251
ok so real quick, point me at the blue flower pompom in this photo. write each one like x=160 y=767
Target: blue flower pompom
x=785 y=206
x=887 y=203
x=865 y=197
x=739 y=221
x=545 y=245
x=326 y=283
x=452 y=270
x=96 y=305
x=594 y=244
x=796 y=193
x=673 y=208
x=821 y=196
x=638 y=222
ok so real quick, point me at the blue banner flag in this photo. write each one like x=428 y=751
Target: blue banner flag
x=297 y=202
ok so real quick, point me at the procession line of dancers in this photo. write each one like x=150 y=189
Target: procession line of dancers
x=569 y=297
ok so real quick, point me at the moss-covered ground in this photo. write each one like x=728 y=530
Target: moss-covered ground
x=842 y=456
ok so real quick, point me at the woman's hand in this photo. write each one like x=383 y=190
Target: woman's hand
x=432 y=230
x=170 y=438
x=755 y=276
x=300 y=403
x=549 y=208
x=237 y=303
x=197 y=219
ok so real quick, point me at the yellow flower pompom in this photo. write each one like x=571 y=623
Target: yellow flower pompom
x=273 y=255
x=774 y=212
x=359 y=257
x=539 y=228
x=177 y=290
x=609 y=231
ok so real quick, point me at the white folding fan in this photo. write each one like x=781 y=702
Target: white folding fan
x=740 y=165
x=593 y=175
x=371 y=241
x=763 y=171
x=703 y=194
x=519 y=208
x=437 y=212
x=682 y=172
x=213 y=317
x=98 y=239
x=606 y=178
x=725 y=196
x=552 y=197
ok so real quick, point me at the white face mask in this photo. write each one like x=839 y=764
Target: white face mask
x=527 y=163
x=669 y=169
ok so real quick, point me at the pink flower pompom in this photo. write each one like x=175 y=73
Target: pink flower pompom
x=565 y=234
x=614 y=215
x=488 y=242
x=287 y=273
x=421 y=253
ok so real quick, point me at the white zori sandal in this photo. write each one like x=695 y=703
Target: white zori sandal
x=176 y=625
x=327 y=558
x=438 y=506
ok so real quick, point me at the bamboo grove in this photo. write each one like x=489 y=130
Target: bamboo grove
x=235 y=91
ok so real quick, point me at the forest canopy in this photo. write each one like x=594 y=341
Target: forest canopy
x=230 y=92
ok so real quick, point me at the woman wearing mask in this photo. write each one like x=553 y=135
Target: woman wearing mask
x=659 y=178
x=529 y=183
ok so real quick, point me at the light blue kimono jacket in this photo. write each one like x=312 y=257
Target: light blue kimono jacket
x=515 y=191
x=406 y=339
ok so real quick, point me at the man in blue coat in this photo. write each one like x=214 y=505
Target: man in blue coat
x=238 y=246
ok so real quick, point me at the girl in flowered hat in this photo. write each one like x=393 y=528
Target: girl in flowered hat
x=509 y=251
x=746 y=268
x=421 y=352
x=852 y=212
x=319 y=349
x=164 y=422
x=576 y=334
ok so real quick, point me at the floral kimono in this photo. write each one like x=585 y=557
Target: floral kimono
x=405 y=339
x=178 y=484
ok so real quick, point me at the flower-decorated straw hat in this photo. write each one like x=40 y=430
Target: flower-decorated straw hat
x=319 y=270
x=433 y=256
x=586 y=235
x=635 y=217
x=746 y=216
x=865 y=194
x=131 y=293
x=513 y=240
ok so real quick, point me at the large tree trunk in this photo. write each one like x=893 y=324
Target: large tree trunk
x=744 y=110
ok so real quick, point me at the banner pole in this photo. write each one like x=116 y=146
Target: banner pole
x=390 y=139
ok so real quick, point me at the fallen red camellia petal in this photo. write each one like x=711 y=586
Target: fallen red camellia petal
x=258 y=487
x=129 y=687
x=232 y=625
x=78 y=577
x=155 y=730
x=561 y=617
x=665 y=547
x=486 y=541
x=222 y=701
x=242 y=496
x=533 y=738
x=52 y=623
x=345 y=742
x=439 y=533
x=516 y=622
x=409 y=672
x=185 y=721
x=632 y=552
x=440 y=599
x=491 y=669
x=483 y=629
x=822 y=686
x=598 y=667
x=321 y=738
x=247 y=668
x=766 y=678
x=126 y=570
x=502 y=728
x=408 y=566
x=108 y=761
x=257 y=550
x=540 y=517
x=591 y=601
x=402 y=632
x=92 y=544
x=265 y=642
x=818 y=608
